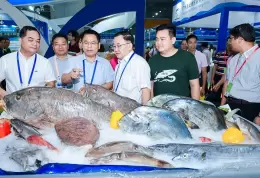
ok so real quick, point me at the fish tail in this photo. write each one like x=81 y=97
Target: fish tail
x=37 y=140
x=229 y=115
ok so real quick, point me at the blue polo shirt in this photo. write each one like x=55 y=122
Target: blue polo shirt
x=104 y=72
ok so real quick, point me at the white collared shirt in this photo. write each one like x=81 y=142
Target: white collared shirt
x=43 y=72
x=136 y=76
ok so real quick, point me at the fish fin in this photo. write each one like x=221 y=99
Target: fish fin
x=190 y=124
x=229 y=115
x=232 y=124
x=35 y=139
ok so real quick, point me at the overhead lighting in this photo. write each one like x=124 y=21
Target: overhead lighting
x=153 y=15
x=156 y=13
x=31 y=8
x=160 y=11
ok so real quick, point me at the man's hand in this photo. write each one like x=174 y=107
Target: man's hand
x=202 y=92
x=216 y=87
x=82 y=90
x=75 y=73
x=212 y=82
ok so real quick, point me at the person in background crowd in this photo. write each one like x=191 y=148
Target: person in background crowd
x=153 y=51
x=6 y=49
x=172 y=70
x=2 y=41
x=132 y=77
x=101 y=51
x=89 y=67
x=25 y=67
x=73 y=41
x=80 y=48
x=242 y=85
x=114 y=62
x=201 y=61
x=218 y=73
x=60 y=60
x=110 y=54
x=184 y=45
x=205 y=50
x=147 y=55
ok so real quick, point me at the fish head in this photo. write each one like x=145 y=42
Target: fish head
x=24 y=104
x=191 y=155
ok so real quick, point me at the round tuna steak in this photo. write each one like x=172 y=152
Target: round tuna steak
x=77 y=131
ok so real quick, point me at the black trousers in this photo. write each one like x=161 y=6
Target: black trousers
x=215 y=96
x=248 y=110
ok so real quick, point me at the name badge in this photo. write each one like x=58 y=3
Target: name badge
x=229 y=87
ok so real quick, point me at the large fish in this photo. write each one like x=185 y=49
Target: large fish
x=209 y=153
x=109 y=98
x=117 y=147
x=203 y=115
x=44 y=106
x=155 y=122
x=132 y=157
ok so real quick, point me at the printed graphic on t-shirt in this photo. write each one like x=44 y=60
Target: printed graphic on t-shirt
x=165 y=76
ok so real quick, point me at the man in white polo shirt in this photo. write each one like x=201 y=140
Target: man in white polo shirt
x=25 y=67
x=201 y=61
x=132 y=78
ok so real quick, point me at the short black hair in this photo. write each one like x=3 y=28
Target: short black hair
x=245 y=31
x=126 y=35
x=170 y=27
x=59 y=35
x=191 y=36
x=204 y=44
x=74 y=33
x=2 y=39
x=25 y=29
x=90 y=32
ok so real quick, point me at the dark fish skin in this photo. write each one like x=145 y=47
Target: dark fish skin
x=205 y=116
x=109 y=98
x=43 y=107
x=132 y=157
x=117 y=147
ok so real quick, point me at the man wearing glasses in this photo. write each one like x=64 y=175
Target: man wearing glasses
x=89 y=67
x=242 y=86
x=132 y=78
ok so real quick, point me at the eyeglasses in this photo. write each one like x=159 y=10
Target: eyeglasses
x=90 y=43
x=119 y=46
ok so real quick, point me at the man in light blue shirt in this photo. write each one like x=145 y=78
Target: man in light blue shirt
x=59 y=61
x=89 y=67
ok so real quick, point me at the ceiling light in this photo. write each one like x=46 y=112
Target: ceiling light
x=160 y=11
x=31 y=8
x=153 y=15
x=156 y=13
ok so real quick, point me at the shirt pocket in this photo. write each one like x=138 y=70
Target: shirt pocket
x=129 y=83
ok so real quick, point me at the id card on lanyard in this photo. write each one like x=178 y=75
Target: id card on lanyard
x=20 y=73
x=59 y=83
x=93 y=74
x=230 y=84
x=115 y=89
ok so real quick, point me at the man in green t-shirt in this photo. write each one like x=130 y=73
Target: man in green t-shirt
x=173 y=71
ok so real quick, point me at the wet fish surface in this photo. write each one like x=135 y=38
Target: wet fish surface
x=109 y=98
x=44 y=106
x=205 y=116
x=132 y=157
x=160 y=100
x=154 y=122
x=117 y=147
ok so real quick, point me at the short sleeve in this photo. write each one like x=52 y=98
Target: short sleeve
x=204 y=62
x=2 y=69
x=143 y=74
x=49 y=73
x=192 y=66
x=151 y=68
x=109 y=72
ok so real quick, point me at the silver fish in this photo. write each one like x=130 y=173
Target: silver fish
x=155 y=122
x=117 y=147
x=203 y=115
x=209 y=152
x=44 y=106
x=109 y=98
x=132 y=157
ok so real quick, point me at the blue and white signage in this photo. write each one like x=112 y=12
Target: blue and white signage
x=30 y=2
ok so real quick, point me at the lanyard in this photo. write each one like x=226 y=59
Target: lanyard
x=19 y=69
x=56 y=67
x=93 y=75
x=122 y=71
x=237 y=71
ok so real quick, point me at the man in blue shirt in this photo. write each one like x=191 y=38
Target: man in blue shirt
x=89 y=67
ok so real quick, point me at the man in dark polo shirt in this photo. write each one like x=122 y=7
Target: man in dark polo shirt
x=172 y=70
x=242 y=85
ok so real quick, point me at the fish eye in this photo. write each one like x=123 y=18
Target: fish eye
x=17 y=97
x=185 y=155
